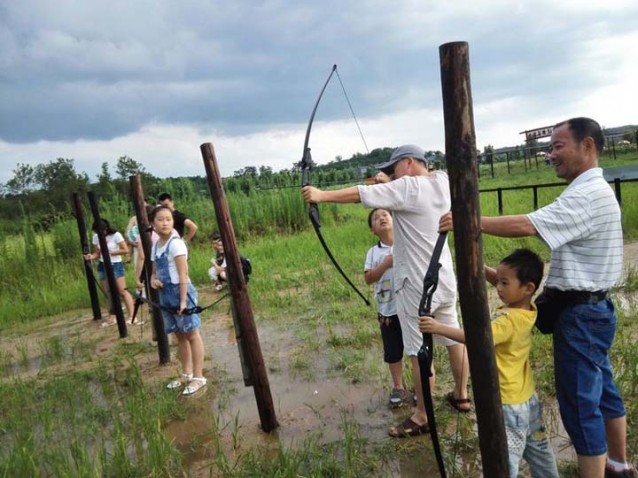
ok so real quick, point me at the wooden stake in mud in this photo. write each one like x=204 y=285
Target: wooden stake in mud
x=108 y=268
x=239 y=294
x=86 y=249
x=147 y=244
x=460 y=153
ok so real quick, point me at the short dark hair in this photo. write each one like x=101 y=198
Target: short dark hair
x=217 y=236
x=164 y=197
x=527 y=265
x=372 y=212
x=582 y=128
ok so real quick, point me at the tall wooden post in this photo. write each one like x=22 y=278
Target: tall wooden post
x=239 y=293
x=460 y=152
x=86 y=249
x=147 y=245
x=108 y=269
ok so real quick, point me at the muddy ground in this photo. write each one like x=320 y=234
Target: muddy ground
x=308 y=404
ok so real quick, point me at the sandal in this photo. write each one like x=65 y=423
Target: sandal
x=108 y=323
x=187 y=377
x=408 y=428
x=195 y=385
x=456 y=403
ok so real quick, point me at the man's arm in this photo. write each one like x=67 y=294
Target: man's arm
x=192 y=230
x=508 y=226
x=346 y=195
x=502 y=226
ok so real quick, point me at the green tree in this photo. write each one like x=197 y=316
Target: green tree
x=23 y=181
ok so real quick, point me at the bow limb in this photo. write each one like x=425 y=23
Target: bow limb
x=426 y=352
x=313 y=210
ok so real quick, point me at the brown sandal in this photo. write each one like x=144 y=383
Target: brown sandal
x=456 y=403
x=408 y=428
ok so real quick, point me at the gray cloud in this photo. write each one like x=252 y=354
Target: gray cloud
x=101 y=70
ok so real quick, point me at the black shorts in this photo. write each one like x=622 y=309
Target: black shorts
x=392 y=338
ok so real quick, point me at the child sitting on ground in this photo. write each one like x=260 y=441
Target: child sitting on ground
x=378 y=270
x=517 y=279
x=217 y=273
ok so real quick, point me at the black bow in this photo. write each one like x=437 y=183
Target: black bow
x=140 y=299
x=426 y=352
x=313 y=211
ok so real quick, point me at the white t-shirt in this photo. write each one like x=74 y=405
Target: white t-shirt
x=177 y=248
x=417 y=203
x=112 y=241
x=383 y=290
x=583 y=229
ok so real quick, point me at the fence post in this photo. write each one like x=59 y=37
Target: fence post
x=499 y=196
x=239 y=293
x=460 y=150
x=108 y=268
x=535 y=190
x=507 y=157
x=617 y=191
x=146 y=244
x=86 y=249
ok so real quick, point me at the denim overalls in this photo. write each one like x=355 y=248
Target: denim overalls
x=169 y=297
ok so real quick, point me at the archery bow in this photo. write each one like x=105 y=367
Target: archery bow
x=313 y=211
x=426 y=352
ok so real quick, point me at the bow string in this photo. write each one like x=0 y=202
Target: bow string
x=306 y=167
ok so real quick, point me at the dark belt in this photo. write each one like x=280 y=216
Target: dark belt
x=576 y=296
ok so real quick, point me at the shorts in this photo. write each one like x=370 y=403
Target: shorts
x=118 y=270
x=408 y=298
x=526 y=438
x=392 y=338
x=173 y=322
x=585 y=388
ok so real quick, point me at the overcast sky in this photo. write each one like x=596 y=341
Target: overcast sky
x=154 y=79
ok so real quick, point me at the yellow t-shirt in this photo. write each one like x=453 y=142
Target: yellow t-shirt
x=512 y=331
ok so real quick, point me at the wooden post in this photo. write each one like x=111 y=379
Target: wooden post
x=137 y=192
x=460 y=151
x=86 y=249
x=239 y=294
x=108 y=268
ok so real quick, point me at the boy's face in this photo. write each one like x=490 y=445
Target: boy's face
x=218 y=246
x=509 y=288
x=381 y=221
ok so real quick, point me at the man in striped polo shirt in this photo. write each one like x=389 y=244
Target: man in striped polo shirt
x=582 y=227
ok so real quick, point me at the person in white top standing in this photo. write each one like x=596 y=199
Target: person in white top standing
x=582 y=227
x=116 y=249
x=417 y=198
x=378 y=271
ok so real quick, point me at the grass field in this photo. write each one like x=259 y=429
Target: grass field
x=78 y=401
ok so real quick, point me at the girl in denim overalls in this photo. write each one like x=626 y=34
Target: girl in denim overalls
x=170 y=277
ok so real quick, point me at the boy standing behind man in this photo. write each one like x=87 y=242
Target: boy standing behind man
x=378 y=270
x=517 y=279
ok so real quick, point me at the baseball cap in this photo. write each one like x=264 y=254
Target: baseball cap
x=407 y=150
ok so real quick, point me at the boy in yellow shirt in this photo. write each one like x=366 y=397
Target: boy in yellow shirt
x=517 y=278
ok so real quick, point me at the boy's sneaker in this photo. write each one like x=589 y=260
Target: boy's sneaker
x=398 y=397
x=627 y=473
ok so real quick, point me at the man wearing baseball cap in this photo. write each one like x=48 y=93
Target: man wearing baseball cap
x=417 y=197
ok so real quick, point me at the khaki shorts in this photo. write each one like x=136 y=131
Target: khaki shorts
x=408 y=299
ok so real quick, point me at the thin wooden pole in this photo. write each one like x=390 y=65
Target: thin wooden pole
x=108 y=268
x=147 y=245
x=86 y=249
x=239 y=294
x=460 y=153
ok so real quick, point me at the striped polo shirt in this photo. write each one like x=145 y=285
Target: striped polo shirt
x=583 y=229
